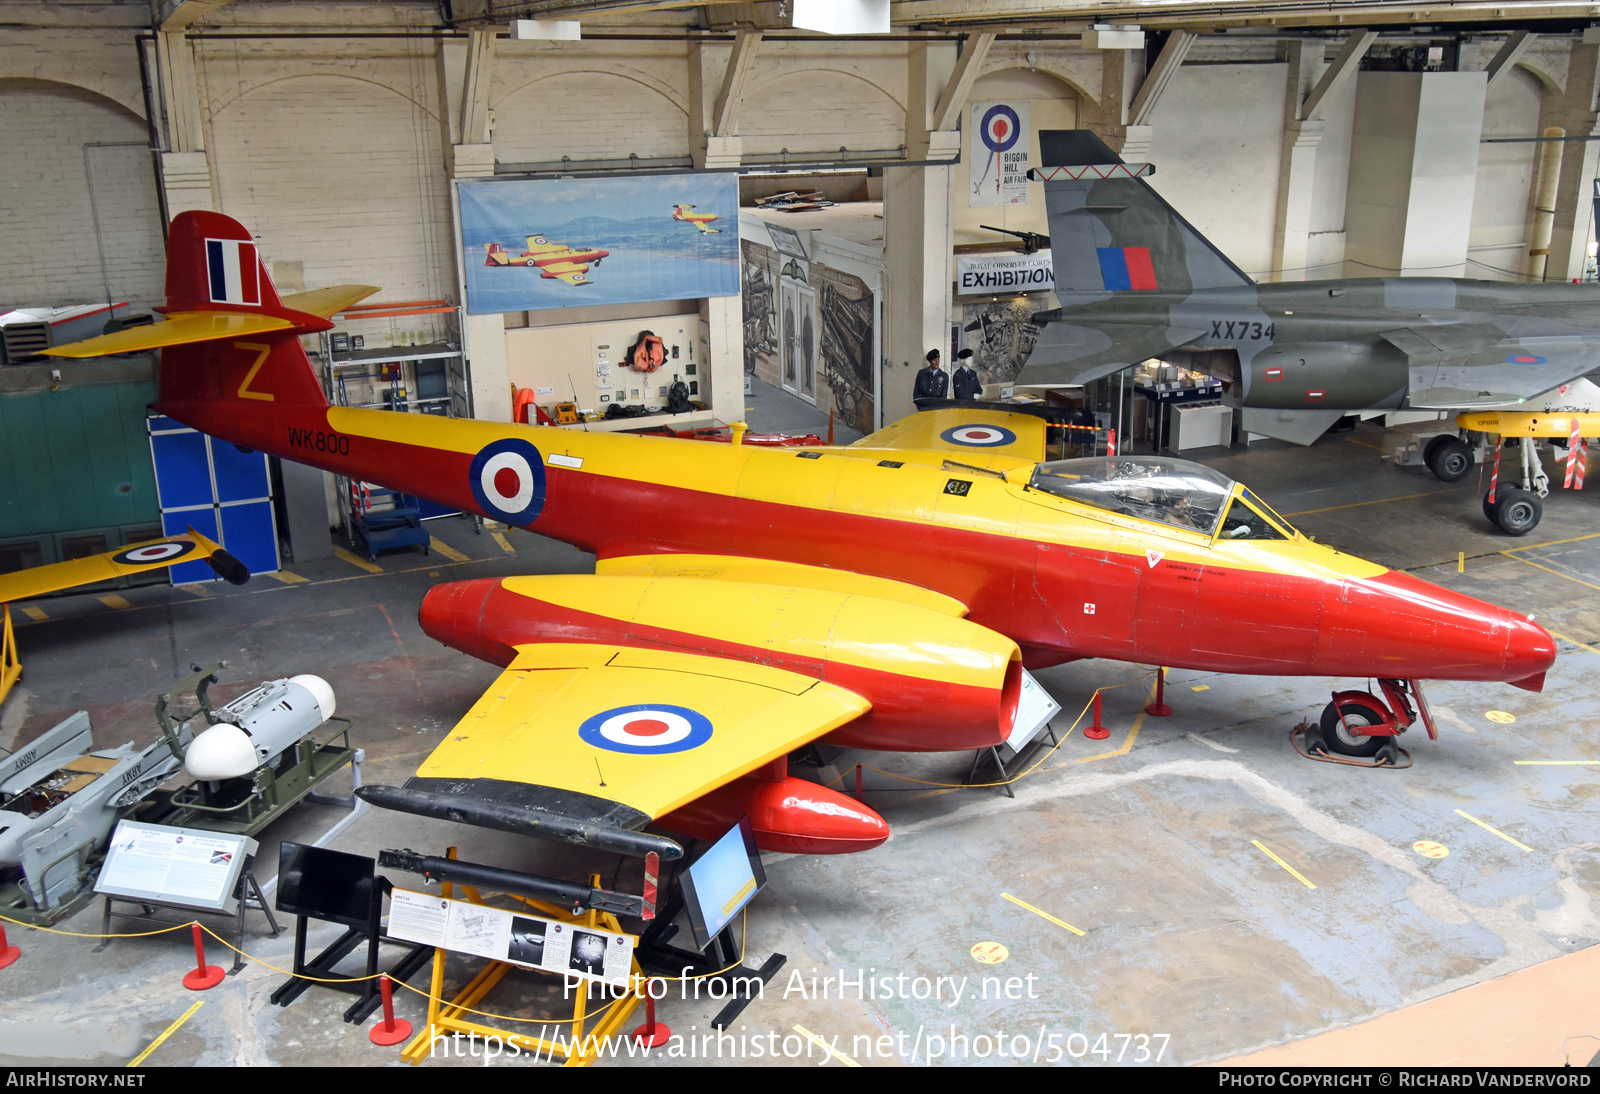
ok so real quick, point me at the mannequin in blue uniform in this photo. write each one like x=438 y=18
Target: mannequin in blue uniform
x=965 y=377
x=931 y=382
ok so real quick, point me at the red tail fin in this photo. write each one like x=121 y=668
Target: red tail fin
x=212 y=263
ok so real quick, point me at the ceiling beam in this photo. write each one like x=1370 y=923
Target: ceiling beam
x=968 y=65
x=725 y=114
x=180 y=14
x=1161 y=74
x=1343 y=67
x=1510 y=53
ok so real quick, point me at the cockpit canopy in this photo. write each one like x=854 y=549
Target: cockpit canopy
x=1171 y=492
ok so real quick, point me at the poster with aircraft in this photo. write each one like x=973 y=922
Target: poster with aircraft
x=529 y=244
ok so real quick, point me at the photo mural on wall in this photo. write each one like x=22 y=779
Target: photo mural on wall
x=760 y=304
x=529 y=244
x=1001 y=334
x=844 y=304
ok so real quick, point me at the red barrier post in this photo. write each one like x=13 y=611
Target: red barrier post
x=392 y=1030
x=1159 y=708
x=1097 y=732
x=652 y=1034
x=202 y=976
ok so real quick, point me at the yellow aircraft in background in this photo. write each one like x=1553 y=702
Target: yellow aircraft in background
x=135 y=558
x=699 y=220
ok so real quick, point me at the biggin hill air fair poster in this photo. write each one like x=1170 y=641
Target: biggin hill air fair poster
x=562 y=243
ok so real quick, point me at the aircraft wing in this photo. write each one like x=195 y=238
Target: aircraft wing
x=1479 y=364
x=763 y=571
x=975 y=432
x=180 y=329
x=135 y=558
x=330 y=301
x=1071 y=353
x=592 y=742
x=570 y=272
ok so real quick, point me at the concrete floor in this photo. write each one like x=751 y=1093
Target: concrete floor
x=1194 y=943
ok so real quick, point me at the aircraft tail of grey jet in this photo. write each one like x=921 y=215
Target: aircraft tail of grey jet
x=1111 y=232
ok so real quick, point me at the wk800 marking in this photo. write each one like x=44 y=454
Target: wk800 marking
x=335 y=443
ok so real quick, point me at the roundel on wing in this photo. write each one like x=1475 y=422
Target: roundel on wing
x=978 y=436
x=507 y=480
x=649 y=729
x=150 y=554
x=1525 y=359
x=1000 y=128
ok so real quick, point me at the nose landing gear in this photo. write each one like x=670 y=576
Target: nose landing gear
x=1359 y=729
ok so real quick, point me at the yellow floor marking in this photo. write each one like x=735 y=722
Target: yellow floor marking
x=197 y=588
x=1428 y=848
x=1301 y=877
x=505 y=544
x=1552 y=543
x=1553 y=763
x=989 y=953
x=1552 y=634
x=356 y=560
x=1043 y=914
x=1367 y=444
x=1504 y=717
x=1201 y=687
x=168 y=1032
x=1548 y=570
x=1374 y=501
x=446 y=550
x=823 y=1044
x=112 y=600
x=1497 y=832
x=35 y=614
x=287 y=578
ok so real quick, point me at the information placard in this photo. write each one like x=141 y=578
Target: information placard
x=531 y=941
x=184 y=866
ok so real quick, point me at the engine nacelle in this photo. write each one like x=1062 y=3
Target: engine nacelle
x=936 y=682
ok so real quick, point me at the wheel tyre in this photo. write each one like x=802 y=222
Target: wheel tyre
x=1431 y=451
x=1452 y=461
x=1518 y=512
x=1492 y=501
x=1356 y=714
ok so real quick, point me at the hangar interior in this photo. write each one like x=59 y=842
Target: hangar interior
x=1192 y=888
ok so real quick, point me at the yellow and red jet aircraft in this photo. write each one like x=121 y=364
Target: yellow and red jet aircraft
x=553 y=260
x=699 y=220
x=135 y=558
x=749 y=600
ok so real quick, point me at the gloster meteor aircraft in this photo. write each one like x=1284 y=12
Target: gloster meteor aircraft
x=699 y=220
x=553 y=260
x=747 y=600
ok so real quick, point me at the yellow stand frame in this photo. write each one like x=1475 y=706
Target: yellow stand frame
x=10 y=666
x=447 y=1018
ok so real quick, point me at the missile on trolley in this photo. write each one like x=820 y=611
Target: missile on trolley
x=259 y=726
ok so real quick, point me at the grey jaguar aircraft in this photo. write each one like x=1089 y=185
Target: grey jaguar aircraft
x=1137 y=281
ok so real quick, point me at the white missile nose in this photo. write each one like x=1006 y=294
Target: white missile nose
x=221 y=752
x=320 y=690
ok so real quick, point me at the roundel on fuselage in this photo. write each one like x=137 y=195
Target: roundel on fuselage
x=648 y=729
x=152 y=553
x=978 y=436
x=507 y=480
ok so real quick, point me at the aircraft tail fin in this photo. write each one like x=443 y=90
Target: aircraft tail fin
x=229 y=345
x=1111 y=232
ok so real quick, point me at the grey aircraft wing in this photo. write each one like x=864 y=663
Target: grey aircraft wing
x=1480 y=365
x=1067 y=353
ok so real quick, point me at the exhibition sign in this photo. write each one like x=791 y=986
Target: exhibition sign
x=529 y=244
x=998 y=166
x=1004 y=273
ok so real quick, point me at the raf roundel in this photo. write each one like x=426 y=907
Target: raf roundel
x=1000 y=128
x=507 y=480
x=153 y=553
x=979 y=436
x=1525 y=359
x=647 y=729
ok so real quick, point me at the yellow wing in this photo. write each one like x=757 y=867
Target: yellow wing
x=975 y=432
x=763 y=571
x=330 y=301
x=132 y=559
x=179 y=329
x=575 y=738
x=570 y=272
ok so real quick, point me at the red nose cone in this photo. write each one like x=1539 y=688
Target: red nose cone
x=452 y=613
x=1399 y=626
x=790 y=815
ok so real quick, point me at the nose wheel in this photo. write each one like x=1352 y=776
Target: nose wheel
x=1359 y=729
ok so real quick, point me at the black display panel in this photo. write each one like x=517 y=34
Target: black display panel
x=323 y=884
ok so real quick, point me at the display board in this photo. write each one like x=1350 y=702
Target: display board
x=529 y=244
x=998 y=171
x=532 y=941
x=718 y=885
x=184 y=866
